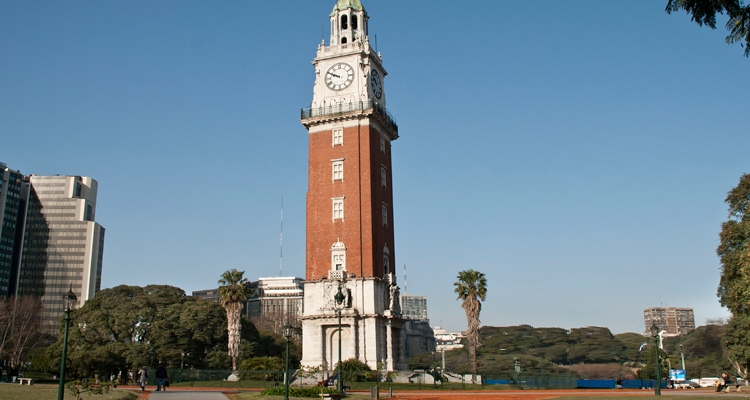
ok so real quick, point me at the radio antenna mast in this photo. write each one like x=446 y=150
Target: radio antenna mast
x=281 y=240
x=405 y=291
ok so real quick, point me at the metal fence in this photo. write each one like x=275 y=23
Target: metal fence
x=219 y=378
x=535 y=380
x=344 y=108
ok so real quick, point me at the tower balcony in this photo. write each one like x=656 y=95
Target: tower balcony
x=316 y=115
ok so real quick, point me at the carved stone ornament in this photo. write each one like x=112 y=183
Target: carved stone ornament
x=395 y=305
x=329 y=293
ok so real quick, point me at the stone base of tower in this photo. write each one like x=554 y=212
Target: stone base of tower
x=371 y=323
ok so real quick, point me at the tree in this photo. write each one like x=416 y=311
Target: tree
x=471 y=288
x=356 y=371
x=130 y=326
x=649 y=370
x=595 y=345
x=737 y=343
x=20 y=330
x=233 y=294
x=734 y=250
x=704 y=12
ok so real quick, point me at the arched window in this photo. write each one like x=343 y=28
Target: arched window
x=343 y=40
x=338 y=256
x=354 y=22
x=344 y=23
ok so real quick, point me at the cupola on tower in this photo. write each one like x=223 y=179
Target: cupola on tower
x=350 y=240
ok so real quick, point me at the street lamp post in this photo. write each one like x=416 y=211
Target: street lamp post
x=682 y=357
x=287 y=334
x=655 y=334
x=340 y=300
x=68 y=300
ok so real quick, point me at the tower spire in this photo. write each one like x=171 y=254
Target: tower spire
x=348 y=22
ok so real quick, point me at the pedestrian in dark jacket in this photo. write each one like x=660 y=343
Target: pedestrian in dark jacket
x=161 y=377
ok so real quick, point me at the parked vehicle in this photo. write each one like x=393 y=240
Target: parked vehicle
x=685 y=385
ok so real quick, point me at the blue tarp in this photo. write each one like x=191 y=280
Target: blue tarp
x=611 y=383
x=496 y=382
x=595 y=383
x=639 y=383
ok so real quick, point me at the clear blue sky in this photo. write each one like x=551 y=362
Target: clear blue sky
x=577 y=153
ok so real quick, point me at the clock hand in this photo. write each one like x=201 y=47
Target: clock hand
x=331 y=73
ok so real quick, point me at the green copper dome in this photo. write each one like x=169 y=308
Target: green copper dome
x=355 y=5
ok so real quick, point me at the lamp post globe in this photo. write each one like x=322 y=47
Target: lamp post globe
x=657 y=361
x=69 y=300
x=339 y=297
x=287 y=335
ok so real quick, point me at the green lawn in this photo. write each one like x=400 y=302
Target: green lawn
x=10 y=391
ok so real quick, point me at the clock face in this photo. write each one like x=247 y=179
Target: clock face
x=339 y=76
x=376 y=83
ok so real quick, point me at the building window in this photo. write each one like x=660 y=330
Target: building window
x=338 y=137
x=338 y=208
x=354 y=22
x=339 y=262
x=344 y=25
x=385 y=214
x=386 y=260
x=383 y=177
x=382 y=143
x=338 y=256
x=338 y=170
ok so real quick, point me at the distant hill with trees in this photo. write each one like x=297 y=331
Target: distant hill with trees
x=591 y=352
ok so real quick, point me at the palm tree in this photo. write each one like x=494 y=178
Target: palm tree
x=471 y=288
x=233 y=294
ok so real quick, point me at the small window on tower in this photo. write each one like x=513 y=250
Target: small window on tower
x=386 y=260
x=383 y=177
x=385 y=214
x=339 y=262
x=344 y=24
x=354 y=22
x=338 y=256
x=338 y=137
x=338 y=208
x=343 y=40
x=338 y=170
x=382 y=143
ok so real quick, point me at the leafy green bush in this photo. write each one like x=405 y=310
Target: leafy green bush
x=261 y=368
x=310 y=391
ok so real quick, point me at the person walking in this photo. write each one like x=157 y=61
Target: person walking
x=143 y=378
x=161 y=377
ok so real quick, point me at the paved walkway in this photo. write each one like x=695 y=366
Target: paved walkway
x=186 y=395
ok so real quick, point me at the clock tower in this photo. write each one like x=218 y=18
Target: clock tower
x=350 y=240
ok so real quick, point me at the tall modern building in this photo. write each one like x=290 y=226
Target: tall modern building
x=676 y=321
x=277 y=302
x=62 y=244
x=12 y=212
x=414 y=307
x=419 y=336
x=350 y=236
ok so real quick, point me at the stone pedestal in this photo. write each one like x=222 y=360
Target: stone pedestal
x=371 y=324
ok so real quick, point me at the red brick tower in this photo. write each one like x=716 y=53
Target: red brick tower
x=352 y=302
x=349 y=193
